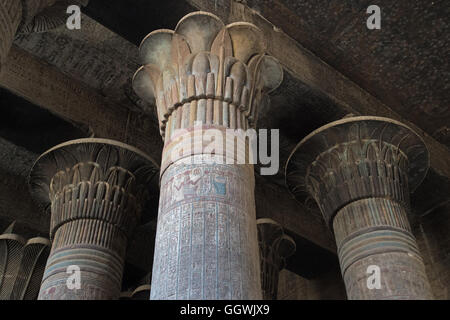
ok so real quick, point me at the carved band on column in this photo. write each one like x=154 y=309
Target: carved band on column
x=274 y=248
x=21 y=265
x=360 y=171
x=205 y=75
x=96 y=190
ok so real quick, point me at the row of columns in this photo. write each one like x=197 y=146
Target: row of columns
x=206 y=75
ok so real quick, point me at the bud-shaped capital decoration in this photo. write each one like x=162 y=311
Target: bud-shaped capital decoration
x=96 y=190
x=360 y=171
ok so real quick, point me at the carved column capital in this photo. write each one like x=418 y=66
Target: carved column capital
x=356 y=158
x=360 y=171
x=206 y=71
x=96 y=190
x=22 y=265
x=275 y=246
x=205 y=75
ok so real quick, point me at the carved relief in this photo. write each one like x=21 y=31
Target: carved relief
x=208 y=73
x=95 y=189
x=356 y=158
x=22 y=265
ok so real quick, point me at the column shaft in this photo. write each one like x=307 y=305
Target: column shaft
x=376 y=232
x=360 y=171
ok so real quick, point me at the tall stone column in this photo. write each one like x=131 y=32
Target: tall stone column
x=96 y=190
x=29 y=16
x=274 y=248
x=205 y=77
x=360 y=171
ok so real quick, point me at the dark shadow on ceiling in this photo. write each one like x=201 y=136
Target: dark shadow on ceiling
x=34 y=128
x=134 y=19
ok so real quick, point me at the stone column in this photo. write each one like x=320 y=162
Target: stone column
x=29 y=16
x=360 y=171
x=205 y=78
x=21 y=265
x=10 y=17
x=274 y=248
x=96 y=190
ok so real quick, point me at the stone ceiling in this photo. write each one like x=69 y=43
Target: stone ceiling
x=404 y=65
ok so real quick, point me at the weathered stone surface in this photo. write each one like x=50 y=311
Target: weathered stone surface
x=358 y=170
x=96 y=190
x=205 y=75
x=206 y=244
x=10 y=17
x=329 y=286
x=274 y=248
x=22 y=265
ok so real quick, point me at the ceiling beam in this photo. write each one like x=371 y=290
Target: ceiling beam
x=46 y=87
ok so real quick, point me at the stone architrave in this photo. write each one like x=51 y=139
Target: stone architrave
x=205 y=76
x=96 y=190
x=360 y=171
x=274 y=247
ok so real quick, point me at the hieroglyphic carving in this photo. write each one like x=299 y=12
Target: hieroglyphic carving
x=208 y=73
x=96 y=190
x=204 y=243
x=360 y=171
x=22 y=265
x=274 y=248
x=44 y=15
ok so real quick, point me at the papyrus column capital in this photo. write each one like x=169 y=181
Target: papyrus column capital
x=360 y=171
x=274 y=248
x=96 y=190
x=356 y=158
x=206 y=71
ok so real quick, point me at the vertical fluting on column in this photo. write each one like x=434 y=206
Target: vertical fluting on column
x=21 y=265
x=96 y=190
x=205 y=76
x=360 y=171
x=274 y=247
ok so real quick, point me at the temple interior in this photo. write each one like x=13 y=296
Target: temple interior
x=88 y=117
